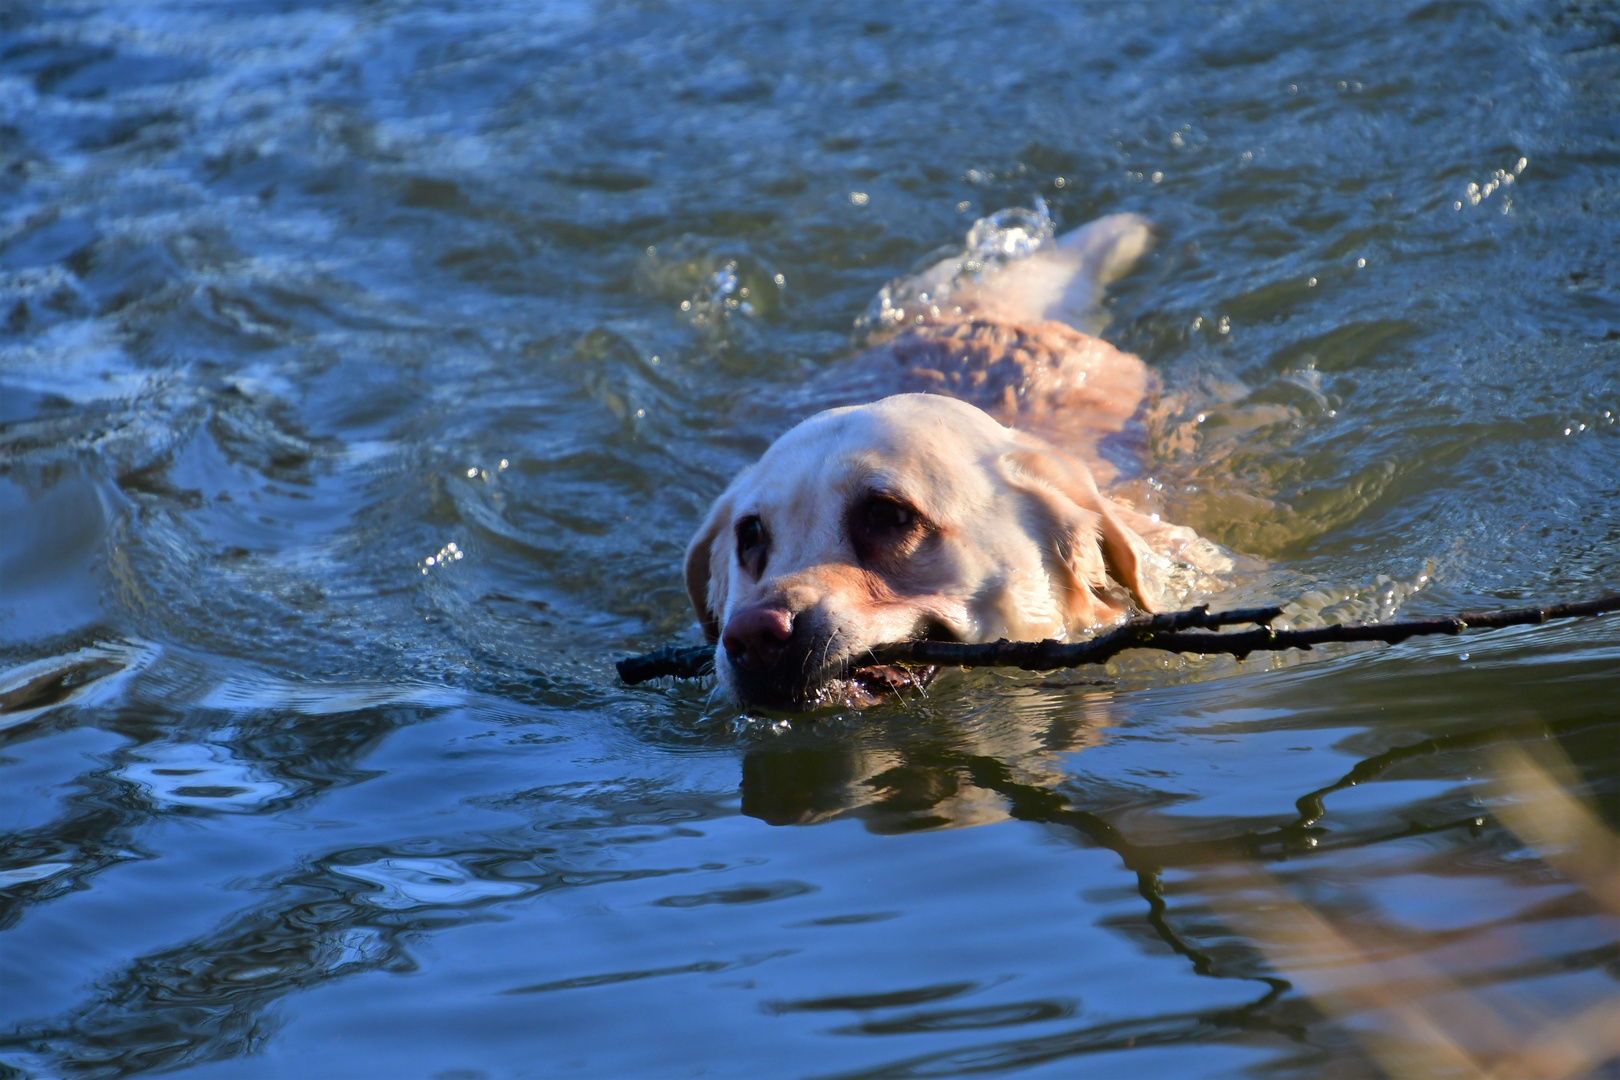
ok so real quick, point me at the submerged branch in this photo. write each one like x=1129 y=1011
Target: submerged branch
x=683 y=662
x=1170 y=632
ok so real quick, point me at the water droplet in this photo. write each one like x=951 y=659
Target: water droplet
x=858 y=198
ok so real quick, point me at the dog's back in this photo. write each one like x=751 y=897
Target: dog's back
x=1018 y=341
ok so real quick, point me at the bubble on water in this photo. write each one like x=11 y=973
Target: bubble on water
x=404 y=883
x=858 y=198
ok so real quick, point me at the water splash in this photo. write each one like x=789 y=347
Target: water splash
x=1006 y=236
x=721 y=297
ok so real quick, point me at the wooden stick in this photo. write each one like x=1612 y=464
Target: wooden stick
x=1167 y=632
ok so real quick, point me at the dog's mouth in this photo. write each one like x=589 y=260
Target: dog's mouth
x=842 y=683
x=877 y=683
x=873 y=684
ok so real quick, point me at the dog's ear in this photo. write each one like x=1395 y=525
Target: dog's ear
x=708 y=571
x=1092 y=540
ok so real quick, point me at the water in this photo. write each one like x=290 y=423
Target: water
x=366 y=366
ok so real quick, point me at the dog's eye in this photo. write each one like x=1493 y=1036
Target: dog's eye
x=753 y=544
x=887 y=515
x=883 y=527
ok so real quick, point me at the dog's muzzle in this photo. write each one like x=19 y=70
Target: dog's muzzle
x=789 y=661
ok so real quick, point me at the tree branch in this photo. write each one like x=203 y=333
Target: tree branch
x=1167 y=632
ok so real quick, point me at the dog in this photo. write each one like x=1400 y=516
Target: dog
x=963 y=504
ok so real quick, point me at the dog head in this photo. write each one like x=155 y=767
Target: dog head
x=916 y=516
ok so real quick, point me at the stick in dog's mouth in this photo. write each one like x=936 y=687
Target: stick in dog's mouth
x=875 y=683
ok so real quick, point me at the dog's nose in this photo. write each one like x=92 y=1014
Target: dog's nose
x=756 y=637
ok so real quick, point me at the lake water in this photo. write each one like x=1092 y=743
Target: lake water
x=364 y=368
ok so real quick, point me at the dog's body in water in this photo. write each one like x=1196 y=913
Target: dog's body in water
x=964 y=506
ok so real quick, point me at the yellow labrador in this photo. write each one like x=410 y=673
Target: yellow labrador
x=967 y=509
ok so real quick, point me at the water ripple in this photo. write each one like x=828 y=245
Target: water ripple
x=405 y=883
x=201 y=777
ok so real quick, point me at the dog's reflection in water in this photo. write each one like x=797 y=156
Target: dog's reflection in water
x=926 y=772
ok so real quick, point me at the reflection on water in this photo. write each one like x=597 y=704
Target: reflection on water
x=364 y=369
x=200 y=777
x=408 y=883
